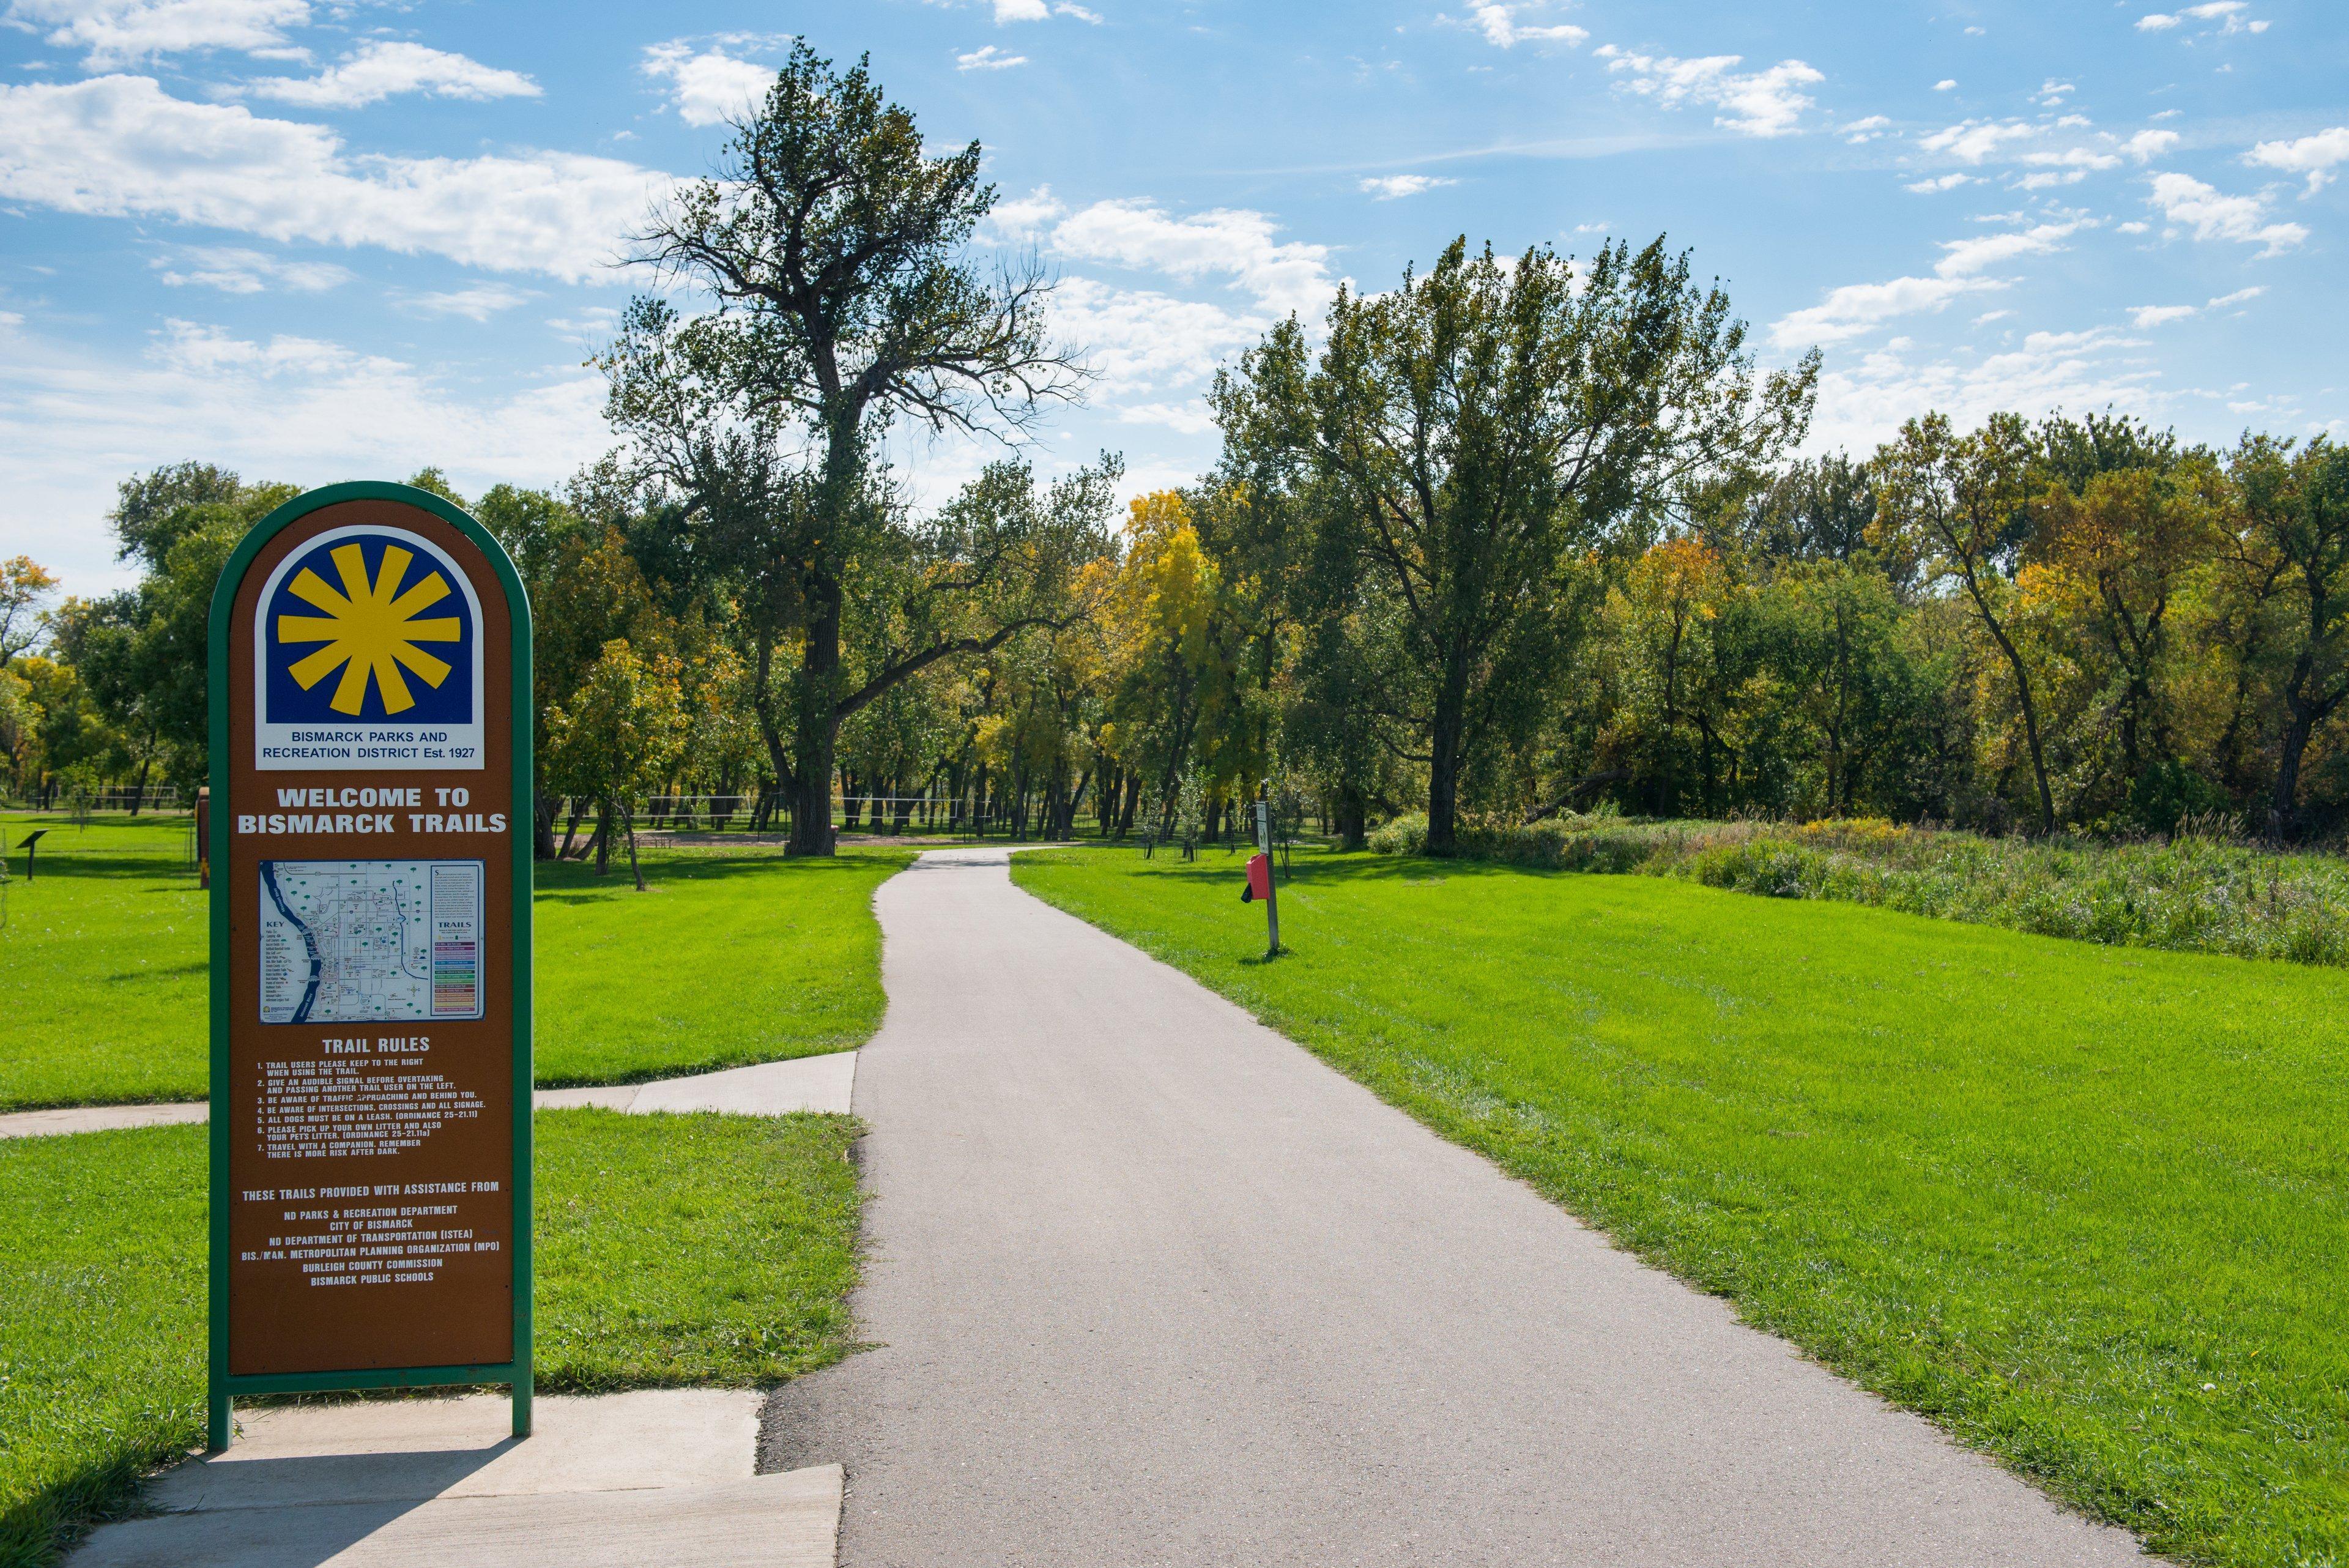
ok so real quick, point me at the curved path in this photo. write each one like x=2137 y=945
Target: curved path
x=1154 y=1285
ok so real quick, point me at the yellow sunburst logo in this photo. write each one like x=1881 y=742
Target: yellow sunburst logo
x=370 y=629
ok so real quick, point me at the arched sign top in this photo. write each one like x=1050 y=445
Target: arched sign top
x=366 y=654
x=370 y=837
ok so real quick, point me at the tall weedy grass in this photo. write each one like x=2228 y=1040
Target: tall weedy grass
x=2198 y=891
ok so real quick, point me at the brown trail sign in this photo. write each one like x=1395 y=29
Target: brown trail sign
x=369 y=840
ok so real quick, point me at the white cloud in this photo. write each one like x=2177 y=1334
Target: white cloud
x=2063 y=152
x=1190 y=419
x=189 y=346
x=1754 y=103
x=707 y=87
x=1499 y=21
x=1386 y=188
x=1868 y=129
x=2145 y=315
x=477 y=303
x=1232 y=242
x=987 y=58
x=1977 y=140
x=121 y=32
x=379 y=69
x=1066 y=9
x=1940 y=182
x=2313 y=156
x=1862 y=403
x=2188 y=203
x=1138 y=341
x=1024 y=217
x=301 y=409
x=232 y=270
x=2230 y=15
x=594 y=324
x=1022 y=11
x=1963 y=258
x=1947 y=84
x=119 y=146
x=2238 y=297
x=1860 y=308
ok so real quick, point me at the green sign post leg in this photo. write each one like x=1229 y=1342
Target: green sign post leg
x=521 y=1404
x=218 y=1427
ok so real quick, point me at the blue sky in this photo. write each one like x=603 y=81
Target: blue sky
x=324 y=239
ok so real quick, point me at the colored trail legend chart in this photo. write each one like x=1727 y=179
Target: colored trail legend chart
x=457 y=939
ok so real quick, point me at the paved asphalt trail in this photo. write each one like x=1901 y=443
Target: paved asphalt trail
x=1155 y=1286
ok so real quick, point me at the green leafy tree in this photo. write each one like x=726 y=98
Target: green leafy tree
x=2296 y=514
x=617 y=737
x=25 y=588
x=835 y=254
x=1483 y=424
x=1961 y=499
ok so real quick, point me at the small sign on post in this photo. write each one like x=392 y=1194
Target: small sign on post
x=369 y=830
x=1260 y=872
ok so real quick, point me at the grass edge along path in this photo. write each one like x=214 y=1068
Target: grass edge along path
x=2080 y=1206
x=733 y=958
x=672 y=1251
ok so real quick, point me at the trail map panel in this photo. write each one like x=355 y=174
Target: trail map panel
x=352 y=941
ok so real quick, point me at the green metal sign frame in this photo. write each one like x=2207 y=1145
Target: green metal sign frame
x=223 y=1386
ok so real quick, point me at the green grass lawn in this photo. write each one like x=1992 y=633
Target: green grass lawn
x=735 y=956
x=671 y=1250
x=2085 y=1207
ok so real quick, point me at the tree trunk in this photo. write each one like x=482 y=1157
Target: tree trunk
x=541 y=824
x=815 y=736
x=1352 y=814
x=1443 y=766
x=629 y=820
x=602 y=842
x=2030 y=708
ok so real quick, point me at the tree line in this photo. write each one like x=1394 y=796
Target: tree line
x=1516 y=536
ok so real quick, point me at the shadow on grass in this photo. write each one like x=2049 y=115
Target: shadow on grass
x=39 y=1529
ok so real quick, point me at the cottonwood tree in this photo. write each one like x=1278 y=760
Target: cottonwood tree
x=1962 y=498
x=1483 y=424
x=835 y=256
x=2295 y=513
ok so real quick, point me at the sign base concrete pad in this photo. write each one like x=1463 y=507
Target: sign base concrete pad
x=659 y=1476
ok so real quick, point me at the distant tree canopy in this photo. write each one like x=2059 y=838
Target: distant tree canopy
x=1512 y=538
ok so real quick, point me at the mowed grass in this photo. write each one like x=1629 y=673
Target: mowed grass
x=671 y=1250
x=2082 y=1205
x=734 y=955
x=102 y=967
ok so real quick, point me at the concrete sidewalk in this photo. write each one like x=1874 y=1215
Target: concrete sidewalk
x=1155 y=1286
x=657 y=1477
x=765 y=1089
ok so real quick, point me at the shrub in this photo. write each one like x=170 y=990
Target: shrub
x=2200 y=890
